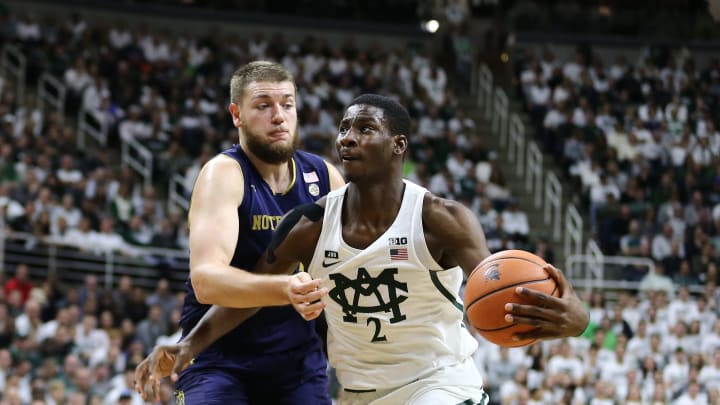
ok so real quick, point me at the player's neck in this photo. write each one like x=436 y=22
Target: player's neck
x=377 y=202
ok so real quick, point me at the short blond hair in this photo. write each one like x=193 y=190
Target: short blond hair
x=257 y=71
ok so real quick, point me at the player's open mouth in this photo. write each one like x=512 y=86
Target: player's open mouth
x=347 y=157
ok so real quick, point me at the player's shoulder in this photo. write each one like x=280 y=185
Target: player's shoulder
x=223 y=163
x=435 y=206
x=442 y=215
x=221 y=174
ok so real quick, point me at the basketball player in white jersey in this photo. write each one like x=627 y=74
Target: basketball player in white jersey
x=384 y=261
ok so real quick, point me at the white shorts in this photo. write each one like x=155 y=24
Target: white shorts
x=459 y=384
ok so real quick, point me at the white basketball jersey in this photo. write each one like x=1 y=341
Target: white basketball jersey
x=393 y=313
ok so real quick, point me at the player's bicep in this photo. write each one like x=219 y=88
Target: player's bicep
x=213 y=218
x=461 y=234
x=472 y=248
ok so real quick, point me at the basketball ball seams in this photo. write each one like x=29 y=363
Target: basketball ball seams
x=501 y=273
x=484 y=264
x=508 y=286
x=495 y=329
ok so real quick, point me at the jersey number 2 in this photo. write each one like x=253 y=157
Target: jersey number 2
x=376 y=337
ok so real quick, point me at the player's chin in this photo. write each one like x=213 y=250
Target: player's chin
x=351 y=173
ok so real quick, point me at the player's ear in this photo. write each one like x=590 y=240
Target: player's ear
x=234 y=110
x=400 y=144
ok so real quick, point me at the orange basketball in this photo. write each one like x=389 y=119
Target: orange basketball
x=492 y=285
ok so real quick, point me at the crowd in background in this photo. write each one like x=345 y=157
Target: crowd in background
x=656 y=347
x=640 y=139
x=170 y=92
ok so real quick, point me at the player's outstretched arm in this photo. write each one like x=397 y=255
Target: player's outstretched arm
x=458 y=232
x=169 y=360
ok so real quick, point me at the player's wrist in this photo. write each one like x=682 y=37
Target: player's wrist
x=285 y=283
x=191 y=347
x=586 y=323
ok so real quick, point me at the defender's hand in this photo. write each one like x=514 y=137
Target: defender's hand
x=552 y=317
x=305 y=295
x=164 y=361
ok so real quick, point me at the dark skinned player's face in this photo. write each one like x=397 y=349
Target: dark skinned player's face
x=364 y=143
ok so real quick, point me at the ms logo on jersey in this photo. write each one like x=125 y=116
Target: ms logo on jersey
x=355 y=296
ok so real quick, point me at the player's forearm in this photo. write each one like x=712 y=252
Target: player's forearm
x=216 y=322
x=234 y=288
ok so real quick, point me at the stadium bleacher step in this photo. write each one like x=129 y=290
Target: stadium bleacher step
x=516 y=184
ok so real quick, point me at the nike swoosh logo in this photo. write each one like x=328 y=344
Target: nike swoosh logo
x=330 y=264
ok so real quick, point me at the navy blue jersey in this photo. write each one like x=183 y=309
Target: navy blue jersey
x=272 y=329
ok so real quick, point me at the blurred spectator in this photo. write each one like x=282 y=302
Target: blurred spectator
x=106 y=240
x=91 y=341
x=662 y=244
x=162 y=297
x=133 y=128
x=28 y=322
x=515 y=222
x=631 y=242
x=152 y=327
x=20 y=282
x=91 y=290
x=68 y=173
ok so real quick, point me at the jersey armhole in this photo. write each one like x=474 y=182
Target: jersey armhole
x=422 y=251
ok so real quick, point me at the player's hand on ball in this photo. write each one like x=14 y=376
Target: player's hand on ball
x=163 y=361
x=552 y=317
x=305 y=295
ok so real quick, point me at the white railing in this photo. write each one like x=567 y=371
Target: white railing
x=89 y=124
x=139 y=158
x=528 y=161
x=610 y=273
x=52 y=91
x=13 y=64
x=596 y=259
x=71 y=264
x=572 y=243
x=534 y=172
x=516 y=145
x=553 y=203
x=500 y=115
x=485 y=90
x=178 y=198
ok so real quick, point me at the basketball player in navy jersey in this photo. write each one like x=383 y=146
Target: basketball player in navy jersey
x=385 y=261
x=237 y=201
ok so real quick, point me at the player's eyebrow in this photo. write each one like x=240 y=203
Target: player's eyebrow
x=266 y=96
x=363 y=119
